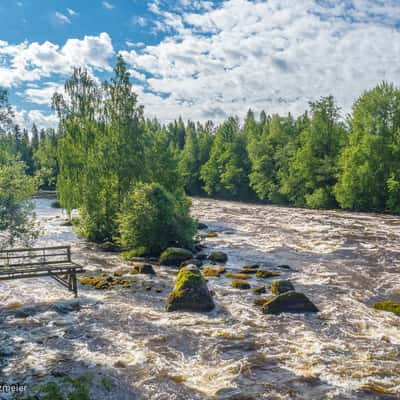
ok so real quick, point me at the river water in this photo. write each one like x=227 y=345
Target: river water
x=344 y=262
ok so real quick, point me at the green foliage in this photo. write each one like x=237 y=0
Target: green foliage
x=370 y=164
x=152 y=218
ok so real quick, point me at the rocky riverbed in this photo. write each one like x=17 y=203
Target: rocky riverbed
x=120 y=343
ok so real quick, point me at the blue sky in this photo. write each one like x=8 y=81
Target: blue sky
x=201 y=59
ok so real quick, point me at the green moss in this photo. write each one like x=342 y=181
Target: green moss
x=107 y=384
x=264 y=274
x=262 y=300
x=175 y=256
x=290 y=302
x=388 y=305
x=259 y=290
x=211 y=234
x=211 y=270
x=55 y=204
x=235 y=275
x=237 y=284
x=218 y=256
x=249 y=269
x=187 y=278
x=134 y=253
x=198 y=263
x=103 y=281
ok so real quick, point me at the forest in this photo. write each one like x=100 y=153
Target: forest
x=130 y=176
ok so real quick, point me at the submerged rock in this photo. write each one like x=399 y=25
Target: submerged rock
x=250 y=269
x=201 y=226
x=190 y=292
x=237 y=284
x=235 y=275
x=289 y=302
x=281 y=286
x=213 y=270
x=211 y=234
x=67 y=306
x=201 y=256
x=174 y=256
x=388 y=305
x=265 y=273
x=218 y=256
x=109 y=247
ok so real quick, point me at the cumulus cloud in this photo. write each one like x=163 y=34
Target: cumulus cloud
x=42 y=95
x=25 y=119
x=27 y=62
x=72 y=12
x=276 y=55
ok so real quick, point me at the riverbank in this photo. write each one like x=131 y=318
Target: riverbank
x=343 y=262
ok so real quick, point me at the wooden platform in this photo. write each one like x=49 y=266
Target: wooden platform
x=39 y=262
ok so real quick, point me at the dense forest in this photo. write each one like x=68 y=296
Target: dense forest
x=124 y=172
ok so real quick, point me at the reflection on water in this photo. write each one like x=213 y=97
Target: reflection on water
x=344 y=262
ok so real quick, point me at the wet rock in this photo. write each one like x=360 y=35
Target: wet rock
x=66 y=223
x=201 y=226
x=201 y=256
x=190 y=292
x=120 y=364
x=259 y=290
x=237 y=284
x=289 y=302
x=284 y=266
x=281 y=286
x=262 y=300
x=143 y=269
x=174 y=256
x=218 y=256
x=65 y=307
x=109 y=247
x=211 y=270
x=388 y=305
x=235 y=275
x=265 y=273
x=211 y=234
x=250 y=269
x=194 y=261
x=26 y=311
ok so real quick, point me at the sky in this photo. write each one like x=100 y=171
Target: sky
x=200 y=59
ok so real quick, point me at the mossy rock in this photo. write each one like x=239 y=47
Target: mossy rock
x=201 y=226
x=235 y=275
x=265 y=273
x=388 y=305
x=190 y=292
x=143 y=269
x=211 y=234
x=66 y=223
x=193 y=261
x=237 y=284
x=211 y=270
x=262 y=300
x=103 y=281
x=218 y=256
x=174 y=256
x=259 y=290
x=250 y=269
x=201 y=256
x=120 y=272
x=281 y=286
x=289 y=302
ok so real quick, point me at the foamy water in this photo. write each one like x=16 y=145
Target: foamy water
x=343 y=262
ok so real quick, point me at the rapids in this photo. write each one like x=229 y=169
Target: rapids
x=343 y=262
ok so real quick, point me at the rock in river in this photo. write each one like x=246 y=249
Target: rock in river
x=218 y=257
x=289 y=302
x=281 y=286
x=175 y=256
x=190 y=292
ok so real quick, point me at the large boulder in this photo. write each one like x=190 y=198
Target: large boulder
x=289 y=302
x=175 y=256
x=281 y=286
x=190 y=292
x=388 y=305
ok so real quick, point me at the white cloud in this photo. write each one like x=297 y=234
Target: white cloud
x=276 y=55
x=141 y=21
x=72 y=12
x=28 y=62
x=42 y=95
x=107 y=5
x=61 y=18
x=25 y=119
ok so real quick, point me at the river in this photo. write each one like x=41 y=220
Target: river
x=344 y=262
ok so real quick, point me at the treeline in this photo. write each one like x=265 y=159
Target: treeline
x=106 y=159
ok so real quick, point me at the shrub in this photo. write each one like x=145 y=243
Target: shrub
x=153 y=219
